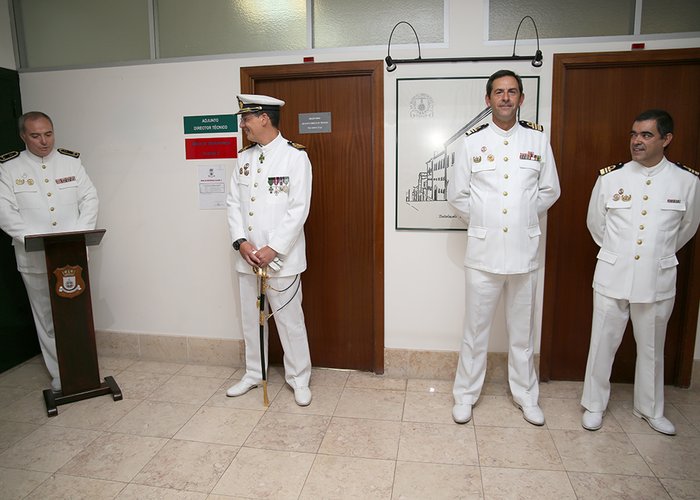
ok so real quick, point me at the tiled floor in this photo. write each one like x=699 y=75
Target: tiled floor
x=177 y=436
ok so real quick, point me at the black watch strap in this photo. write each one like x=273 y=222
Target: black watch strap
x=237 y=244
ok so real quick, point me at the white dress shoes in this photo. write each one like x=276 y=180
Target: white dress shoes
x=532 y=414
x=462 y=413
x=302 y=396
x=240 y=388
x=661 y=424
x=592 y=420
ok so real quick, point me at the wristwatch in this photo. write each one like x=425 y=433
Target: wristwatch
x=237 y=244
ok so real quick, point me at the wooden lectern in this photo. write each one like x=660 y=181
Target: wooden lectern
x=71 y=308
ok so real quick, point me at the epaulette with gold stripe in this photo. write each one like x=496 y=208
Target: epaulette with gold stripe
x=248 y=146
x=296 y=145
x=533 y=126
x=9 y=156
x=68 y=152
x=476 y=129
x=611 y=168
x=687 y=169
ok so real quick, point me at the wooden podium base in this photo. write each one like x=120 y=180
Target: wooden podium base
x=52 y=399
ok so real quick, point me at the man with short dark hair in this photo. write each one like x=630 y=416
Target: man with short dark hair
x=268 y=202
x=504 y=181
x=43 y=190
x=640 y=214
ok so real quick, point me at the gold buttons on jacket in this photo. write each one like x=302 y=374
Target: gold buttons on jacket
x=641 y=226
x=44 y=167
x=644 y=212
x=505 y=193
x=645 y=197
x=250 y=213
x=54 y=223
x=639 y=242
x=636 y=257
x=48 y=194
x=648 y=182
x=255 y=185
x=253 y=198
x=52 y=209
x=46 y=181
x=505 y=142
x=505 y=210
x=505 y=176
x=505 y=158
x=250 y=228
x=505 y=229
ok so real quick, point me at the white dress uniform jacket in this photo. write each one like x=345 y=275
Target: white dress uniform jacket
x=44 y=195
x=504 y=181
x=640 y=217
x=269 y=200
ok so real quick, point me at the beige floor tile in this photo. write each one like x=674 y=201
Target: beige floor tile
x=684 y=396
x=428 y=407
x=9 y=395
x=270 y=474
x=682 y=489
x=526 y=484
x=12 y=432
x=160 y=367
x=114 y=456
x=186 y=389
x=213 y=424
x=371 y=403
x=498 y=411
x=30 y=376
x=436 y=481
x=690 y=412
x=601 y=452
x=47 y=449
x=672 y=457
x=143 y=492
x=155 y=419
x=95 y=413
x=496 y=388
x=187 y=465
x=220 y=372
x=355 y=437
x=531 y=448
x=30 y=408
x=349 y=477
x=251 y=400
x=328 y=376
x=438 y=443
x=621 y=392
x=139 y=385
x=367 y=380
x=612 y=486
x=324 y=401
x=566 y=414
x=17 y=484
x=561 y=389
x=289 y=432
x=431 y=386
x=59 y=486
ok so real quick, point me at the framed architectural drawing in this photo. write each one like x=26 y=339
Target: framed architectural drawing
x=432 y=114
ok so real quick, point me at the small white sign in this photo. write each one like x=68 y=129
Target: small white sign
x=212 y=187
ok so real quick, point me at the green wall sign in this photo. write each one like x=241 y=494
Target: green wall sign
x=210 y=124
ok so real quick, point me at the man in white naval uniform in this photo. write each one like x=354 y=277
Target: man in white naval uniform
x=43 y=190
x=268 y=202
x=504 y=181
x=640 y=214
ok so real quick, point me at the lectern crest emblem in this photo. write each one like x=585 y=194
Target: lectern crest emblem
x=69 y=281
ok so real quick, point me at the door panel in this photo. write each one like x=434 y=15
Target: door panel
x=595 y=100
x=343 y=285
x=18 y=341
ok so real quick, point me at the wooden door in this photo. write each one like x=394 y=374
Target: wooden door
x=595 y=100
x=344 y=283
x=18 y=341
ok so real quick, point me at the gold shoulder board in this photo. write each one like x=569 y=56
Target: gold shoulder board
x=476 y=129
x=687 y=169
x=68 y=152
x=9 y=156
x=533 y=126
x=611 y=168
x=296 y=145
x=248 y=146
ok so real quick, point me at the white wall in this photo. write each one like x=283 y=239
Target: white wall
x=166 y=267
x=7 y=54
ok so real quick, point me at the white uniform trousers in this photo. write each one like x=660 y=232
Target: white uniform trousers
x=37 y=286
x=649 y=323
x=483 y=291
x=289 y=320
